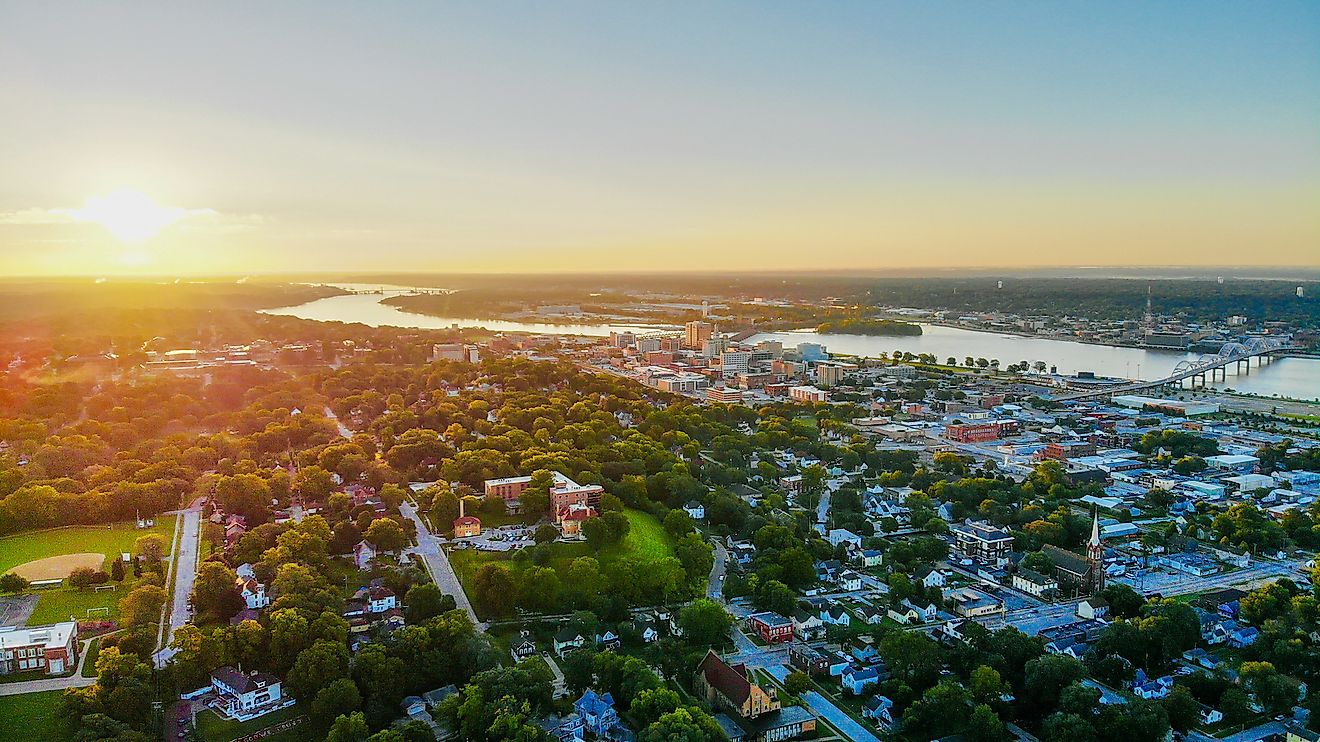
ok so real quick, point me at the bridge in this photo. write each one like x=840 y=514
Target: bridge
x=382 y=291
x=1215 y=365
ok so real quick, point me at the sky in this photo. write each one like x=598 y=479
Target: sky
x=245 y=138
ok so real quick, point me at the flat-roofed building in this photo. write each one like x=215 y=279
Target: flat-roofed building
x=52 y=649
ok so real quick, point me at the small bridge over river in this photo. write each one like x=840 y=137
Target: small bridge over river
x=1211 y=366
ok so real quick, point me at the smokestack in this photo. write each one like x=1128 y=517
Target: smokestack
x=460 y=508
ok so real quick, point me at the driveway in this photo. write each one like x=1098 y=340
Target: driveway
x=437 y=563
x=824 y=708
x=184 y=564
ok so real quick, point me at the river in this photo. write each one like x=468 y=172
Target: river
x=1298 y=378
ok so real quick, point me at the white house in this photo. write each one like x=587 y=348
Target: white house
x=245 y=696
x=695 y=510
x=844 y=536
x=363 y=553
x=1093 y=608
x=381 y=599
x=929 y=577
x=850 y=580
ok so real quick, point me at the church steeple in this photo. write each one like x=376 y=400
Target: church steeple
x=1095 y=555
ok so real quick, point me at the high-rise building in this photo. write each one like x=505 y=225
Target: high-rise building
x=698 y=332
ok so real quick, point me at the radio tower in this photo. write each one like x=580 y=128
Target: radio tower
x=1150 y=314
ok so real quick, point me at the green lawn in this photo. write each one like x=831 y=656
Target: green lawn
x=212 y=728
x=111 y=540
x=89 y=664
x=33 y=717
x=646 y=538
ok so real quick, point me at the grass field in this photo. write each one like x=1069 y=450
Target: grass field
x=110 y=540
x=33 y=717
x=646 y=539
x=89 y=663
x=212 y=728
x=60 y=603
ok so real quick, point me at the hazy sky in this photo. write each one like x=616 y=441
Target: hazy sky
x=630 y=135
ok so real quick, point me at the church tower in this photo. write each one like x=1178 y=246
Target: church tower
x=1095 y=555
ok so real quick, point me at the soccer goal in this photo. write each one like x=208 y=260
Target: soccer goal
x=102 y=611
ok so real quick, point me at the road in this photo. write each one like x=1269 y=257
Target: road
x=184 y=564
x=1254 y=734
x=715 y=585
x=343 y=429
x=824 y=708
x=1258 y=573
x=437 y=563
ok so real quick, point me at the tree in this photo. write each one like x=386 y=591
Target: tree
x=13 y=583
x=142 y=605
x=214 y=592
x=678 y=523
x=494 y=588
x=1183 y=710
x=679 y=725
x=705 y=622
x=1047 y=676
x=774 y=595
x=151 y=548
x=84 y=577
x=984 y=725
x=316 y=667
x=653 y=703
x=116 y=570
x=425 y=601
x=386 y=535
x=545 y=534
x=539 y=590
x=1124 y=602
x=986 y=686
x=339 y=697
x=797 y=683
x=349 y=728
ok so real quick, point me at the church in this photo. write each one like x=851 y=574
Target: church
x=1077 y=574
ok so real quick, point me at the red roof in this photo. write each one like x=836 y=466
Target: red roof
x=467 y=520
x=730 y=681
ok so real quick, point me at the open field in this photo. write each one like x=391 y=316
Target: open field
x=646 y=539
x=109 y=540
x=33 y=717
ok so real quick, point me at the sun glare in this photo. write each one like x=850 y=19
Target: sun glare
x=129 y=215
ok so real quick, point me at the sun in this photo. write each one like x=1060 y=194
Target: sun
x=129 y=215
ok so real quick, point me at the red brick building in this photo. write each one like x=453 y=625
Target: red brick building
x=772 y=627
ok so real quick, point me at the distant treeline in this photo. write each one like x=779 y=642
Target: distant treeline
x=1106 y=299
x=860 y=326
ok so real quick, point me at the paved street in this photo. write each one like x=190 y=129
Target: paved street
x=184 y=564
x=715 y=586
x=825 y=709
x=1260 y=572
x=343 y=429
x=437 y=563
x=1254 y=734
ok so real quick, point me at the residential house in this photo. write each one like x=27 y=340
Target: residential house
x=857 y=680
x=807 y=625
x=567 y=640
x=1243 y=636
x=879 y=709
x=695 y=510
x=870 y=614
x=1035 y=583
x=835 y=616
x=523 y=648
x=1094 y=608
x=381 y=599
x=363 y=553
x=598 y=713
x=871 y=558
x=1151 y=688
x=246 y=696
x=850 y=580
x=608 y=639
x=863 y=652
x=930 y=577
x=568 y=728
x=839 y=536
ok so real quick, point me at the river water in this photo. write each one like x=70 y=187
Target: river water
x=1298 y=378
